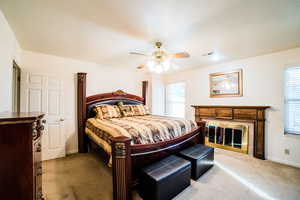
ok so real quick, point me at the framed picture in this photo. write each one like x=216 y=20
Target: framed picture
x=226 y=84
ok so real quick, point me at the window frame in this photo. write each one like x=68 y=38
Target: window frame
x=285 y=100
x=166 y=99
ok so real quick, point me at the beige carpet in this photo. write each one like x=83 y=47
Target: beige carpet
x=234 y=176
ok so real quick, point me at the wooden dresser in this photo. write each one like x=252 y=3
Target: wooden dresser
x=20 y=154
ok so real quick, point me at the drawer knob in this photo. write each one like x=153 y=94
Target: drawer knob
x=39 y=195
x=39 y=171
x=34 y=134
x=34 y=125
x=39 y=147
x=41 y=128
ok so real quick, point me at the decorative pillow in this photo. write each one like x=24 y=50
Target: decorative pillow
x=139 y=110
x=120 y=103
x=107 y=111
x=126 y=110
x=147 y=112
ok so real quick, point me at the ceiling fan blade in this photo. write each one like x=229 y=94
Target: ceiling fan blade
x=140 y=67
x=179 y=55
x=136 y=53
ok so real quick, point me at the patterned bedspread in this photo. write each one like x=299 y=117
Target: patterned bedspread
x=141 y=129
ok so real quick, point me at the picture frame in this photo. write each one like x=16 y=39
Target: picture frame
x=226 y=84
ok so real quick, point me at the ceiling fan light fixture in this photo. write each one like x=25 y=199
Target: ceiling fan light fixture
x=151 y=65
x=159 y=60
x=166 y=65
x=159 y=68
x=217 y=57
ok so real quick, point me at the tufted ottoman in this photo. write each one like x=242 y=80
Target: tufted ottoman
x=165 y=179
x=201 y=157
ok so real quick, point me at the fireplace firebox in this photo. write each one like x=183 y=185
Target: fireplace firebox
x=227 y=135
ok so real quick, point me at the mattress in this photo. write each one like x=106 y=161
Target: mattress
x=145 y=129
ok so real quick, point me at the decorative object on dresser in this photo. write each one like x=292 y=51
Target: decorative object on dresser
x=254 y=115
x=226 y=84
x=127 y=158
x=20 y=152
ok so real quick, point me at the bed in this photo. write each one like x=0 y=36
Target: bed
x=130 y=143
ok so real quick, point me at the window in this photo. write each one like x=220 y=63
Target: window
x=175 y=99
x=292 y=100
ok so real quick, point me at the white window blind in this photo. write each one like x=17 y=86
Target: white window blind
x=292 y=100
x=175 y=99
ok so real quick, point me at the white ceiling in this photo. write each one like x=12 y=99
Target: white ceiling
x=104 y=31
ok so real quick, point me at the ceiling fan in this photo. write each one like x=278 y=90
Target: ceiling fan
x=159 y=61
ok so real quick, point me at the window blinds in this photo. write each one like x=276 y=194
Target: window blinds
x=292 y=100
x=175 y=99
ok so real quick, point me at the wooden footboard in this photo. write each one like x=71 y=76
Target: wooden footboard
x=129 y=159
x=121 y=166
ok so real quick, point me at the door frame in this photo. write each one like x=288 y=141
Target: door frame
x=16 y=87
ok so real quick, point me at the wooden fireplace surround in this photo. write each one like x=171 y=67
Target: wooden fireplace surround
x=252 y=114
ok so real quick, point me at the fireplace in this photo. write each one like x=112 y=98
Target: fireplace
x=233 y=134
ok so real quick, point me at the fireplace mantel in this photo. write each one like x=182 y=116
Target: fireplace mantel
x=253 y=114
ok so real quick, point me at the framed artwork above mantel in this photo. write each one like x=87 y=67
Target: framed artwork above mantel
x=226 y=84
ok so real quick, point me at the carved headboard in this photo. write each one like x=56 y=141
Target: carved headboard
x=111 y=99
x=85 y=104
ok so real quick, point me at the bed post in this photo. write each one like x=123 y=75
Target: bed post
x=144 y=90
x=202 y=125
x=81 y=111
x=121 y=161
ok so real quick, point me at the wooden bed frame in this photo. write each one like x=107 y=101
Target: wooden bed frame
x=127 y=159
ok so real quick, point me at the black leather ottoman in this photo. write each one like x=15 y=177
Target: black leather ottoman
x=165 y=179
x=201 y=157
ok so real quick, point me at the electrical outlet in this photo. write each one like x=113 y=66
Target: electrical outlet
x=286 y=151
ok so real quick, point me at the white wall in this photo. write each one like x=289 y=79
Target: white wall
x=158 y=95
x=9 y=51
x=100 y=79
x=263 y=85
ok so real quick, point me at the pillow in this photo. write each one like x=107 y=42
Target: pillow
x=120 y=103
x=139 y=110
x=107 y=111
x=126 y=111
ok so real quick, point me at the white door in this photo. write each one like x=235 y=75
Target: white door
x=42 y=93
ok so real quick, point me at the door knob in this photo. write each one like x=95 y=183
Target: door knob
x=62 y=119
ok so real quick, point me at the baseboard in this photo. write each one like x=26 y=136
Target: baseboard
x=286 y=162
x=72 y=151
